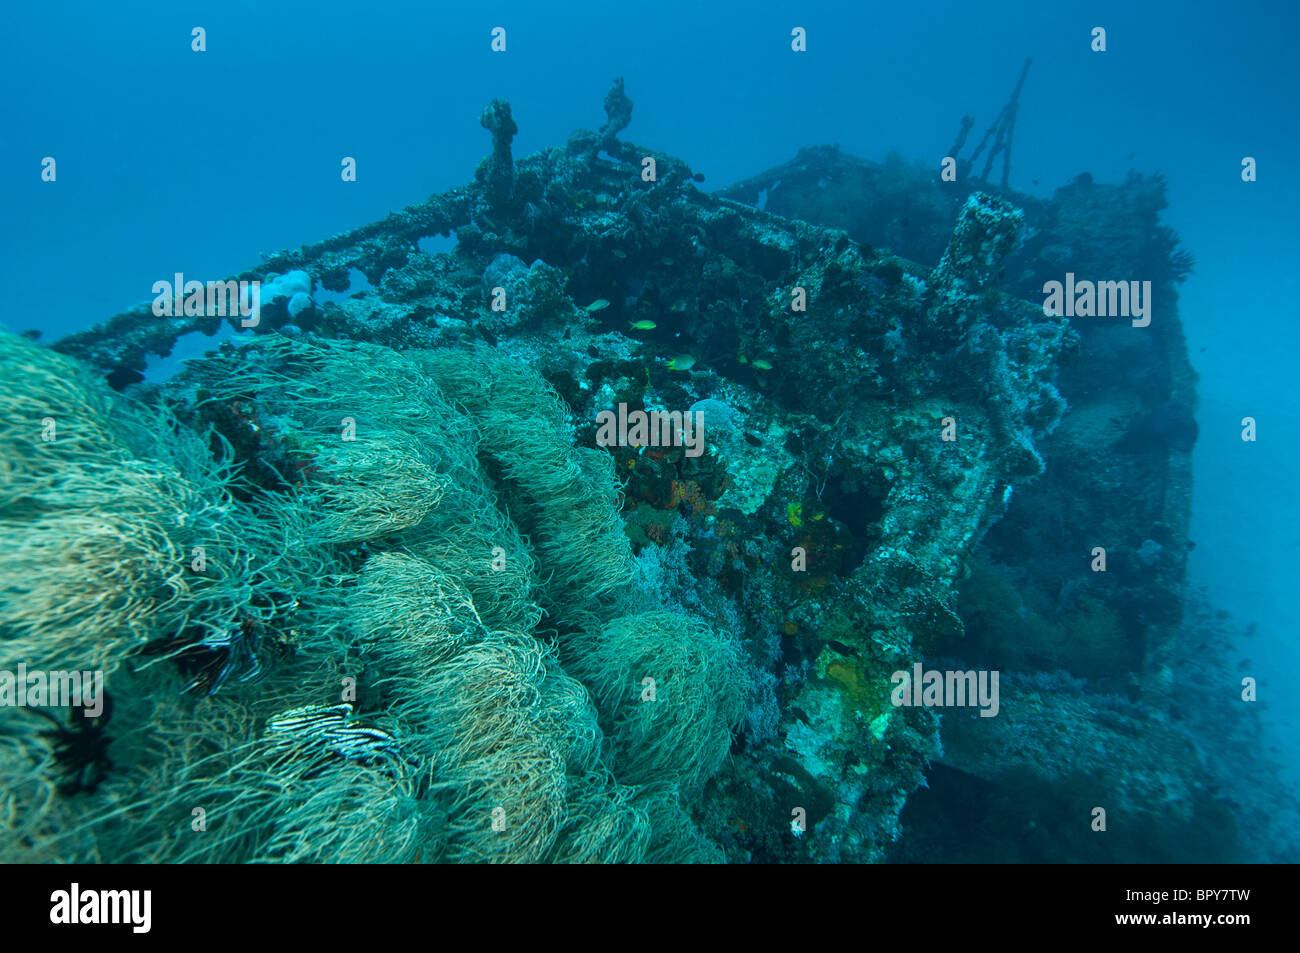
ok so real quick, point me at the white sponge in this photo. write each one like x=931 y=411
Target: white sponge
x=286 y=286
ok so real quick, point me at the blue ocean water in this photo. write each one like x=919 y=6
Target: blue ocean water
x=174 y=161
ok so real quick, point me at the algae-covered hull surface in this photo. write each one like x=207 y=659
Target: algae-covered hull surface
x=590 y=511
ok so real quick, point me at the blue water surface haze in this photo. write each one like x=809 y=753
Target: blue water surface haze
x=169 y=160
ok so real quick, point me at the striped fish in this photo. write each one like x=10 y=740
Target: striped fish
x=327 y=726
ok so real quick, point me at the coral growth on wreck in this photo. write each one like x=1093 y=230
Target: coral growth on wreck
x=366 y=587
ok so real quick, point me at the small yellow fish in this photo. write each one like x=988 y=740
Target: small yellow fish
x=646 y=325
x=681 y=362
x=619 y=253
x=762 y=365
x=600 y=304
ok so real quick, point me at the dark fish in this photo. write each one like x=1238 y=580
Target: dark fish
x=120 y=377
